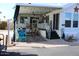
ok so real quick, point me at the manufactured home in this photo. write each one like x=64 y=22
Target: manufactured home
x=49 y=22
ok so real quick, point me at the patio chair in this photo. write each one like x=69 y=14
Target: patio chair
x=22 y=35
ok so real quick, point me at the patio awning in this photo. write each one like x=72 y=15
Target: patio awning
x=36 y=9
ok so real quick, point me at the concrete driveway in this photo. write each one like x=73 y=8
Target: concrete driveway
x=46 y=48
x=56 y=51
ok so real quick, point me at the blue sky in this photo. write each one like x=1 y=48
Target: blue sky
x=8 y=9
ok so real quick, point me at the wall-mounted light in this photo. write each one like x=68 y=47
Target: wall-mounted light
x=29 y=3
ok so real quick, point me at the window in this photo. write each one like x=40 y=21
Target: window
x=47 y=19
x=22 y=19
x=68 y=23
x=75 y=23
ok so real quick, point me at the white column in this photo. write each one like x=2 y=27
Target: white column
x=9 y=39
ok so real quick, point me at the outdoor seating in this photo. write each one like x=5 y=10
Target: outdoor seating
x=22 y=35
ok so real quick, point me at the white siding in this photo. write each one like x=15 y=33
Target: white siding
x=70 y=30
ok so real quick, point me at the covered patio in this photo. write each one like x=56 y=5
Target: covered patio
x=35 y=20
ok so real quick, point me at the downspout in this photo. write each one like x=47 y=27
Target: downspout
x=15 y=19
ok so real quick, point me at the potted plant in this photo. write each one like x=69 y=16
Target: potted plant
x=70 y=38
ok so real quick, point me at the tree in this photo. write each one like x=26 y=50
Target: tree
x=3 y=25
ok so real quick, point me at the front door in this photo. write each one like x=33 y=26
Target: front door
x=56 y=21
x=54 y=32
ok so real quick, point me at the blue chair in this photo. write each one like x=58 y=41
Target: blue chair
x=22 y=35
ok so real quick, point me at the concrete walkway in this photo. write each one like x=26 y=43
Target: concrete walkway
x=44 y=44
